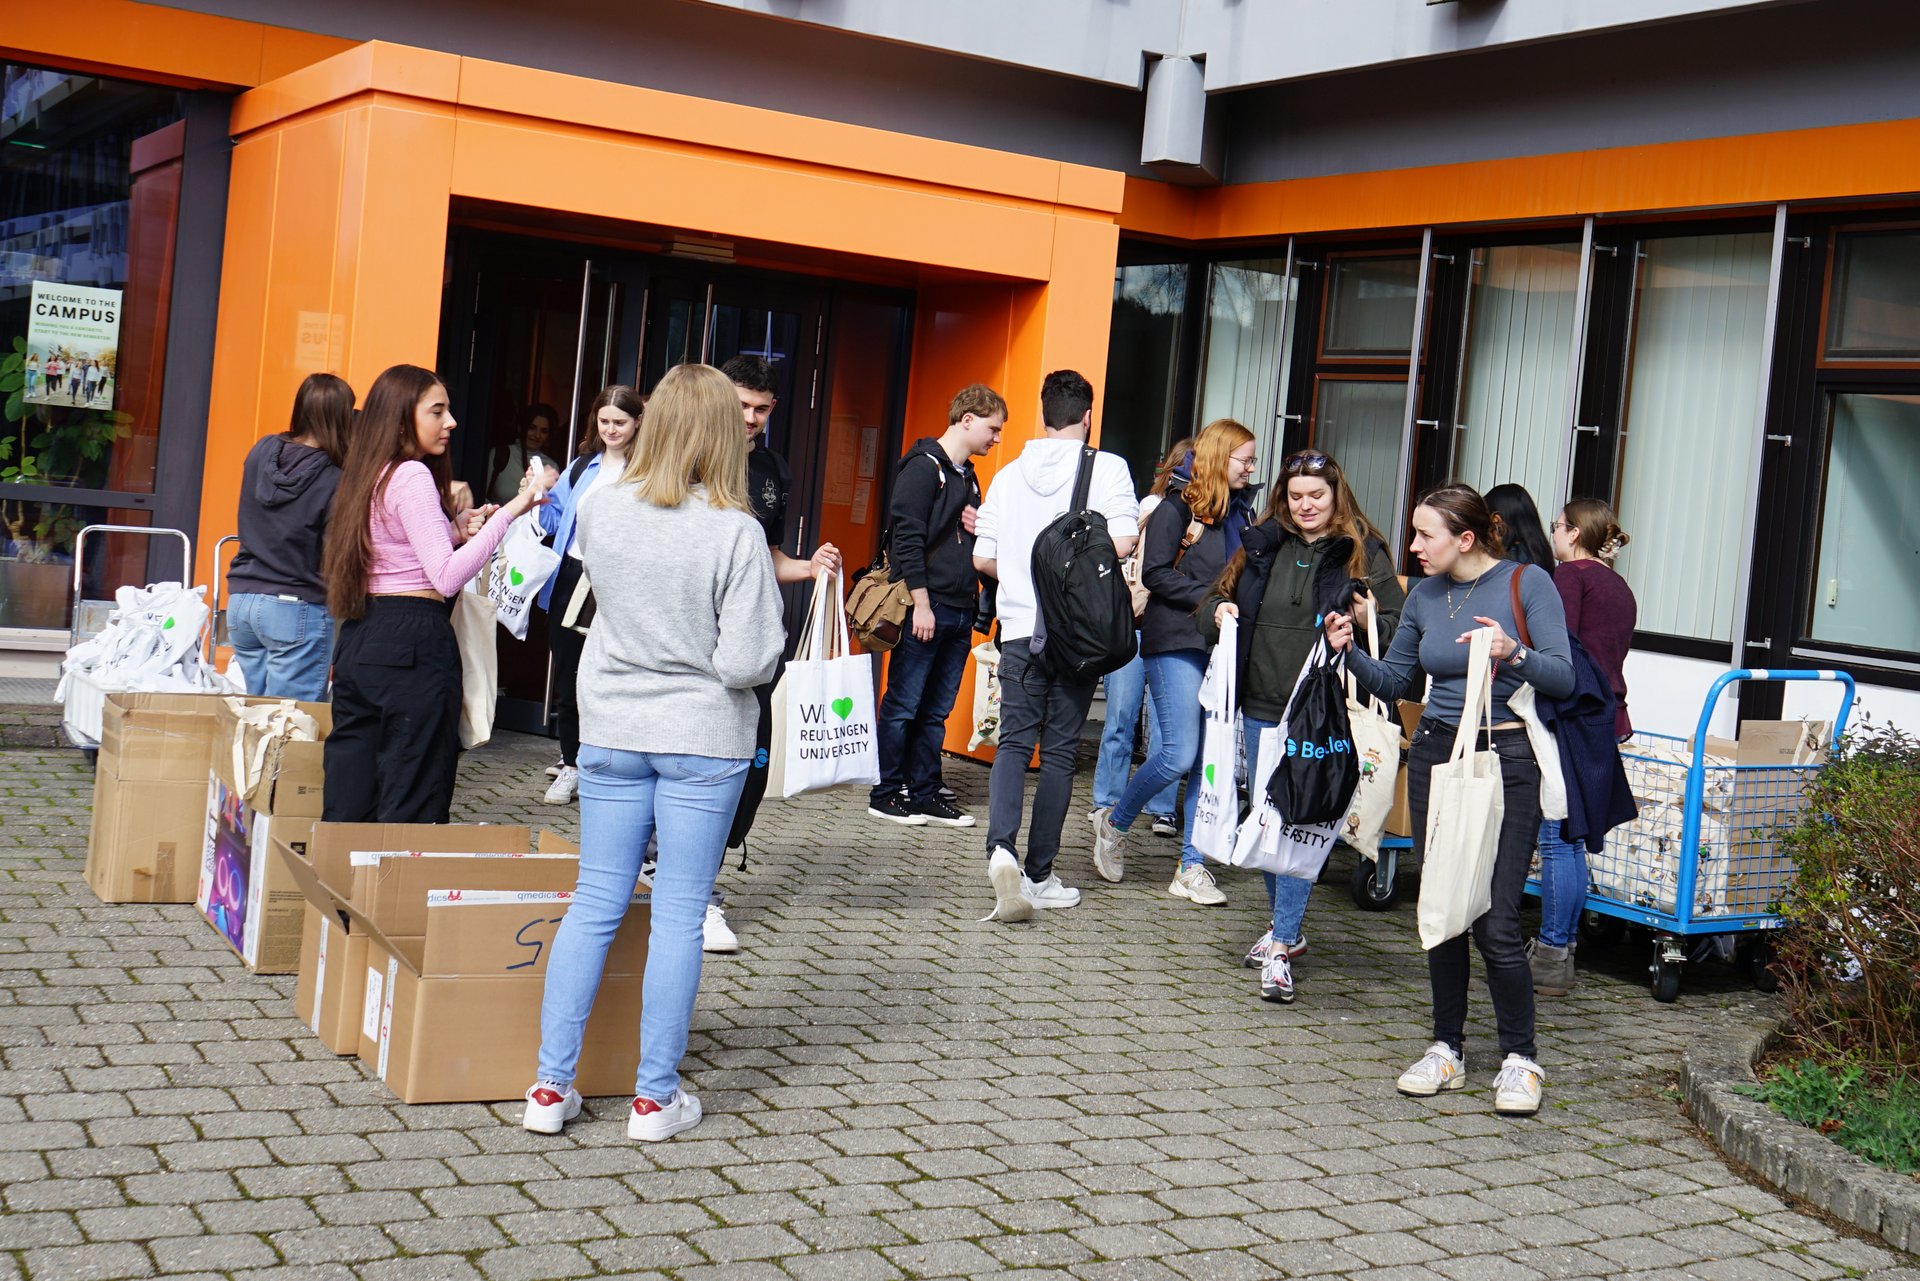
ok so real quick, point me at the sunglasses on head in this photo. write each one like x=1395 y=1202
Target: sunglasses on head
x=1306 y=460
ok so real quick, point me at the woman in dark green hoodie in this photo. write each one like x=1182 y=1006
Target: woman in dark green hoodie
x=1297 y=565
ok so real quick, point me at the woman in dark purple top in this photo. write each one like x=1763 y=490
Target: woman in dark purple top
x=1601 y=612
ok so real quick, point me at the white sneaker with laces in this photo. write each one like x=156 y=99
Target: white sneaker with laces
x=1010 y=902
x=553 y=770
x=1276 y=978
x=650 y=1122
x=1109 y=846
x=715 y=934
x=1516 y=1090
x=1195 y=883
x=1438 y=1069
x=565 y=786
x=550 y=1107
x=1050 y=893
x=1257 y=954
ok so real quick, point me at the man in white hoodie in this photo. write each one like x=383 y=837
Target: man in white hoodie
x=1025 y=498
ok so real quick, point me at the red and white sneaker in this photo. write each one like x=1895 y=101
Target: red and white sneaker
x=1257 y=954
x=651 y=1122
x=550 y=1107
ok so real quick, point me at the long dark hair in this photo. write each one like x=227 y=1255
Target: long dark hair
x=619 y=396
x=1517 y=521
x=323 y=413
x=383 y=438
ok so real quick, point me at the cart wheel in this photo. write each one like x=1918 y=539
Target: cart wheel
x=1666 y=981
x=1368 y=893
x=1601 y=932
x=1756 y=960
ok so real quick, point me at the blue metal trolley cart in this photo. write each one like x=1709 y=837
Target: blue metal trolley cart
x=1702 y=859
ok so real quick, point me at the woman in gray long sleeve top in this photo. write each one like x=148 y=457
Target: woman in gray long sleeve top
x=1470 y=588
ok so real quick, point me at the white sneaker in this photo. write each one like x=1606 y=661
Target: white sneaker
x=553 y=770
x=1109 y=846
x=1438 y=1069
x=1196 y=883
x=550 y=1108
x=1257 y=954
x=715 y=934
x=1009 y=886
x=565 y=786
x=1050 y=892
x=1516 y=1090
x=651 y=1122
x=1276 y=978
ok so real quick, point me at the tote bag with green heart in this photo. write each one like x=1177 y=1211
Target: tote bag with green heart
x=1216 y=806
x=823 y=722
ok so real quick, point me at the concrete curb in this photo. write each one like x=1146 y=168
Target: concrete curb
x=1790 y=1157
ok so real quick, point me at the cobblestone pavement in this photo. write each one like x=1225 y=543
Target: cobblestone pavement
x=893 y=1089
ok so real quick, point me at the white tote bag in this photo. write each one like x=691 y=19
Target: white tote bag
x=473 y=616
x=1216 y=807
x=521 y=567
x=823 y=721
x=1376 y=743
x=1546 y=750
x=1465 y=805
x=1266 y=842
x=986 y=696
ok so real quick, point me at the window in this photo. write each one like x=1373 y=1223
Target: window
x=1249 y=337
x=1866 y=588
x=1370 y=307
x=1874 y=315
x=1516 y=380
x=1136 y=413
x=1358 y=421
x=1688 y=431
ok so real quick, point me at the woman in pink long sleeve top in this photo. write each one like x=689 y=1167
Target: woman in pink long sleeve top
x=394 y=557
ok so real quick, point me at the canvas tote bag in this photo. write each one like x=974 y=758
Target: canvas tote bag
x=521 y=567
x=1465 y=804
x=823 y=721
x=986 y=696
x=1266 y=842
x=473 y=618
x=1546 y=748
x=1376 y=748
x=1216 y=809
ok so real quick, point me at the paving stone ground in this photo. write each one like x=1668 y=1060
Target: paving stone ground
x=893 y=1088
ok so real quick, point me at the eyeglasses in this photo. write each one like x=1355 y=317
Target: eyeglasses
x=1307 y=460
x=1557 y=526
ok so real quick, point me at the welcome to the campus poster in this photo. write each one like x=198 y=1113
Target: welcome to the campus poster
x=73 y=345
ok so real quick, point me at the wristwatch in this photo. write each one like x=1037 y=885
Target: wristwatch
x=1518 y=656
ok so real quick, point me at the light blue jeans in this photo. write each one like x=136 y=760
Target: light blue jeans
x=1287 y=894
x=284 y=646
x=623 y=795
x=1563 y=885
x=1126 y=691
x=1173 y=682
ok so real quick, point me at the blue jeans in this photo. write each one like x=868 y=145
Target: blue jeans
x=1287 y=894
x=1126 y=690
x=922 y=679
x=1563 y=885
x=622 y=796
x=284 y=646
x=1173 y=681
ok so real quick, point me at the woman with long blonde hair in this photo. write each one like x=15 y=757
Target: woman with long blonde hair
x=1299 y=563
x=1192 y=535
x=667 y=720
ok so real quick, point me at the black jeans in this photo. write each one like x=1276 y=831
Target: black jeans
x=755 y=788
x=922 y=679
x=396 y=715
x=1498 y=935
x=1034 y=707
x=566 y=646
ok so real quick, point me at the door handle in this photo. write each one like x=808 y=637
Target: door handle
x=1787 y=441
x=1761 y=644
x=1593 y=430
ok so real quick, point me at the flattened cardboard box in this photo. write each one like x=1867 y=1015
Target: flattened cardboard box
x=1765 y=800
x=456 y=1013
x=243 y=890
x=327 y=996
x=150 y=797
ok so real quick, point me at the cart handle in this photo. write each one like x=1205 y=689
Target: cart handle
x=213 y=617
x=150 y=531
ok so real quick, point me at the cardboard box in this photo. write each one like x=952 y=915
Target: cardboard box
x=333 y=956
x=150 y=797
x=1775 y=761
x=1400 y=818
x=243 y=890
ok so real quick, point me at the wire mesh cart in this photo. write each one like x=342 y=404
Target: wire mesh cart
x=85 y=697
x=1702 y=867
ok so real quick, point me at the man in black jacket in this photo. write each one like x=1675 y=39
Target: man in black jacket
x=935 y=499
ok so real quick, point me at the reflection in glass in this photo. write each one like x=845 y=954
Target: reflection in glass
x=1249 y=339
x=774 y=336
x=36 y=559
x=1875 y=310
x=1136 y=413
x=1866 y=588
x=1688 y=434
x=1370 y=306
x=1360 y=423
x=1517 y=376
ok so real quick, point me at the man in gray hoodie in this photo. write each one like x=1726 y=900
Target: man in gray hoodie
x=1026 y=497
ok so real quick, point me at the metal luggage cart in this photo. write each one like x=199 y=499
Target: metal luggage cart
x=86 y=698
x=1701 y=864
x=1376 y=882
x=217 y=626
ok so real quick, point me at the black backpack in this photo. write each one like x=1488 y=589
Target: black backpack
x=1085 y=626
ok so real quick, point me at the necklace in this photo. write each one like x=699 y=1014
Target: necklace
x=1452 y=611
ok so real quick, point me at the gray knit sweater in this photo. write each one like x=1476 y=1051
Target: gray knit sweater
x=688 y=623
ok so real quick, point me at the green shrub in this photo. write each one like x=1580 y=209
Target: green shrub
x=1880 y=1123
